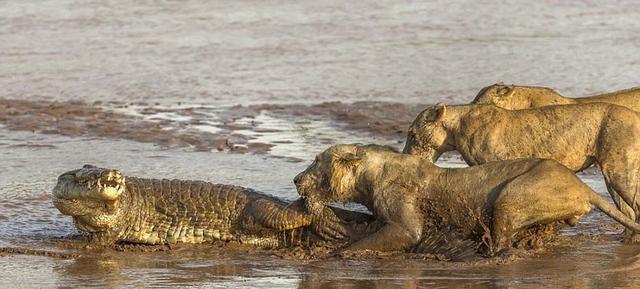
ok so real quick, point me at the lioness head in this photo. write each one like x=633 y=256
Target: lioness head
x=516 y=97
x=427 y=135
x=91 y=195
x=334 y=174
x=331 y=177
x=501 y=95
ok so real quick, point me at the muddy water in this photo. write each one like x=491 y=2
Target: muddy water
x=32 y=161
x=153 y=88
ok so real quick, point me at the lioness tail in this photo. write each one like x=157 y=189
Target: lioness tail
x=613 y=212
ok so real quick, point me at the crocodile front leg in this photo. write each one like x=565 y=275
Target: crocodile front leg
x=101 y=240
x=276 y=216
x=326 y=223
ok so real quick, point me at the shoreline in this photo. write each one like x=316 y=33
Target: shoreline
x=236 y=129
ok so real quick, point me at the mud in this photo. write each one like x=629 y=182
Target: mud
x=35 y=252
x=81 y=119
x=387 y=119
x=461 y=226
x=202 y=128
x=77 y=246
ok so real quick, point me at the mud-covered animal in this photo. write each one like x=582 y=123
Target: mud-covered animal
x=577 y=136
x=491 y=202
x=115 y=208
x=523 y=97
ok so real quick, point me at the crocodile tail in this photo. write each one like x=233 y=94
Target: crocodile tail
x=279 y=240
x=261 y=242
x=276 y=216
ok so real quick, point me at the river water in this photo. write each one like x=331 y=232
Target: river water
x=153 y=87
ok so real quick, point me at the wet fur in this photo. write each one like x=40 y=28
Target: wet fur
x=412 y=197
x=523 y=97
x=577 y=136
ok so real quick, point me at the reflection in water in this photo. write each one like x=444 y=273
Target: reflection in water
x=182 y=268
x=98 y=271
x=195 y=268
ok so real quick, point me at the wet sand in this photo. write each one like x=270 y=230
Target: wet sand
x=247 y=92
x=254 y=128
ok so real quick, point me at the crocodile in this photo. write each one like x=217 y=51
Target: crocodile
x=117 y=208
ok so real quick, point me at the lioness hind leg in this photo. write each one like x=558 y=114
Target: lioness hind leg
x=617 y=185
x=542 y=196
x=502 y=232
x=516 y=215
x=623 y=188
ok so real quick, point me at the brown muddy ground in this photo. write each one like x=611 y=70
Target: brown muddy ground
x=201 y=128
x=169 y=89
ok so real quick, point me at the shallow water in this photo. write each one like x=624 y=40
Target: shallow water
x=28 y=220
x=256 y=51
x=183 y=66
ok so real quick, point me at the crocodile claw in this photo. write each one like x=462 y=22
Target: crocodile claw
x=328 y=226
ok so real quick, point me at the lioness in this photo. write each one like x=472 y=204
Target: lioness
x=574 y=135
x=523 y=97
x=407 y=193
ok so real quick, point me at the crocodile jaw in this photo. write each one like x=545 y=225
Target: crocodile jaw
x=92 y=196
x=90 y=183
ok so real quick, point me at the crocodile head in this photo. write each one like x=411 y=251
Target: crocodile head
x=92 y=196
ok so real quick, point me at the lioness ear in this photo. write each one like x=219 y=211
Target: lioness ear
x=439 y=111
x=505 y=90
x=350 y=157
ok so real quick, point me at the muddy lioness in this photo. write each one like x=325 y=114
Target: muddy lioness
x=577 y=136
x=407 y=193
x=523 y=97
